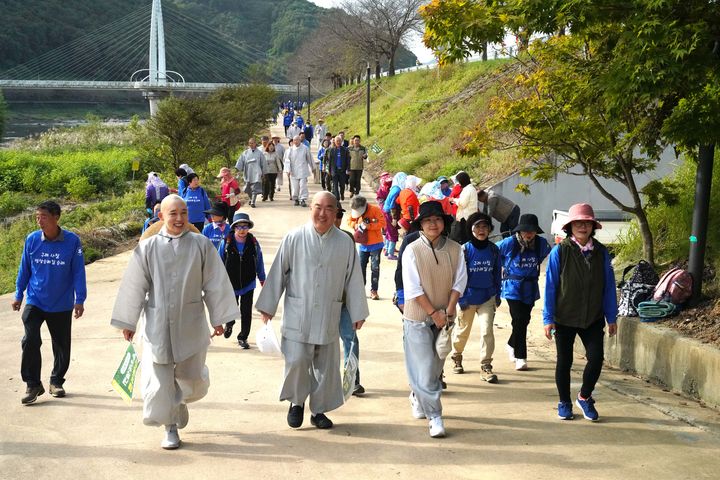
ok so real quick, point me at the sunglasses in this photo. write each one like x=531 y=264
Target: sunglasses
x=242 y=227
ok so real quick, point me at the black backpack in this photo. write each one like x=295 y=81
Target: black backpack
x=639 y=288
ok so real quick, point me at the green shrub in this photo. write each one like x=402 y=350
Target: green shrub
x=80 y=188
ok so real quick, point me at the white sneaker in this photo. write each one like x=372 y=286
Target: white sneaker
x=183 y=416
x=417 y=411
x=172 y=438
x=520 y=364
x=511 y=352
x=437 y=429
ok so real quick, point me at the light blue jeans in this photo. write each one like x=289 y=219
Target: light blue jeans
x=423 y=365
x=348 y=335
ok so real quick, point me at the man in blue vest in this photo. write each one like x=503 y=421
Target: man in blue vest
x=52 y=270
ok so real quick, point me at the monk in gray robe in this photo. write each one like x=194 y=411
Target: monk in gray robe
x=169 y=277
x=315 y=266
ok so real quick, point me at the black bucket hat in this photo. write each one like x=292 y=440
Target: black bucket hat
x=478 y=217
x=528 y=223
x=430 y=209
x=218 y=208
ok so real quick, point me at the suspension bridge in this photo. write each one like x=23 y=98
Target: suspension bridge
x=131 y=54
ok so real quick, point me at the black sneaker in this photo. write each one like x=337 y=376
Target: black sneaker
x=321 y=421
x=295 y=416
x=57 y=391
x=297 y=203
x=31 y=394
x=358 y=390
x=303 y=204
x=243 y=343
x=228 y=330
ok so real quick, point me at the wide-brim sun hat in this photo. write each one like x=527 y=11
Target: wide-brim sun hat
x=241 y=217
x=582 y=212
x=528 y=223
x=431 y=208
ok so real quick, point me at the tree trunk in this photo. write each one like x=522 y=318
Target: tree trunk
x=391 y=61
x=377 y=69
x=647 y=236
x=484 y=52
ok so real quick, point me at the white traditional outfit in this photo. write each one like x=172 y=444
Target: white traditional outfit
x=315 y=272
x=170 y=277
x=299 y=164
x=252 y=164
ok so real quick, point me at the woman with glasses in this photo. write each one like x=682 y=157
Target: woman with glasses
x=243 y=260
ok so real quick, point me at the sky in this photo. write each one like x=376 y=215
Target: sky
x=415 y=44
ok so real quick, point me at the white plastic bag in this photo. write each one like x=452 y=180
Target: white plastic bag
x=350 y=373
x=443 y=342
x=266 y=340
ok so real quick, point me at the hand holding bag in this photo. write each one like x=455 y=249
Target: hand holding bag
x=443 y=341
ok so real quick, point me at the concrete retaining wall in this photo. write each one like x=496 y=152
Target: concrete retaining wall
x=659 y=353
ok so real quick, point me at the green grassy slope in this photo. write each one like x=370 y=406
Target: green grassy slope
x=419 y=119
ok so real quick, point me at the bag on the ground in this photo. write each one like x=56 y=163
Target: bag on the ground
x=266 y=340
x=124 y=379
x=443 y=342
x=637 y=289
x=350 y=373
x=652 y=311
x=674 y=286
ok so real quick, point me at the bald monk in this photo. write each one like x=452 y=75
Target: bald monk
x=176 y=270
x=316 y=267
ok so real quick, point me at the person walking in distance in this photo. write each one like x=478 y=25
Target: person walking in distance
x=298 y=165
x=337 y=162
x=367 y=221
x=358 y=155
x=52 y=273
x=252 y=165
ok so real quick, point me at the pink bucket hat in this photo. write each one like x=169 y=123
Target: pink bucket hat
x=584 y=212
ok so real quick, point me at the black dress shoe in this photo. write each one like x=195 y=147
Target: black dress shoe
x=228 y=330
x=243 y=344
x=295 y=416
x=321 y=421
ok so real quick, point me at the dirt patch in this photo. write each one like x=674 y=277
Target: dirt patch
x=701 y=322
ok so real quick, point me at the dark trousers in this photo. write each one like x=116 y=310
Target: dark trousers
x=338 y=185
x=323 y=178
x=520 y=313
x=510 y=222
x=59 y=324
x=245 y=301
x=355 y=177
x=374 y=258
x=268 y=186
x=592 y=338
x=199 y=226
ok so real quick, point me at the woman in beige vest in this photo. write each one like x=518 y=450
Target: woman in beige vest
x=434 y=277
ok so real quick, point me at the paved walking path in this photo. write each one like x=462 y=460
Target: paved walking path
x=509 y=430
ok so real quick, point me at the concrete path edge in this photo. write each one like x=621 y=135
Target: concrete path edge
x=660 y=354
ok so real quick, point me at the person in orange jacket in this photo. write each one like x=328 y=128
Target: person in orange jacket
x=367 y=221
x=408 y=201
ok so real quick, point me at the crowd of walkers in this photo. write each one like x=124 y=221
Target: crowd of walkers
x=452 y=265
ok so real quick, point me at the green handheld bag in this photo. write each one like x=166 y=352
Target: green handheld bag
x=124 y=380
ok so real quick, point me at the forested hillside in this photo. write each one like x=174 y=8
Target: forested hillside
x=277 y=27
